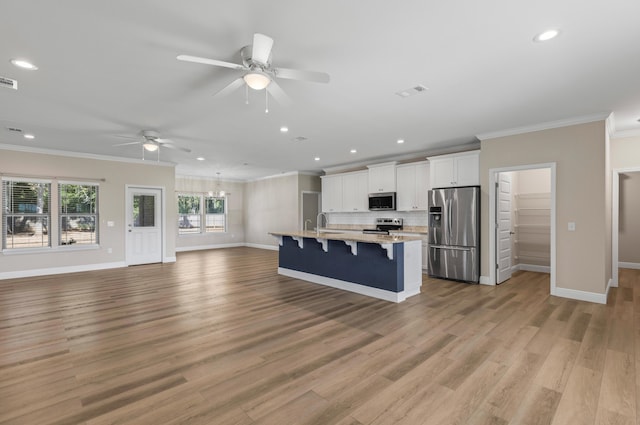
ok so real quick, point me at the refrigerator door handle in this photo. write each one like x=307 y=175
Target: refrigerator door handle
x=455 y=248
x=449 y=218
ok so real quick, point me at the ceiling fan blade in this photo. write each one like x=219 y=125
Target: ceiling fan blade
x=296 y=74
x=121 y=136
x=128 y=143
x=261 y=48
x=205 y=61
x=172 y=146
x=235 y=84
x=278 y=94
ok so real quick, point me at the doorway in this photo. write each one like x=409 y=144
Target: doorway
x=625 y=225
x=522 y=221
x=309 y=209
x=145 y=225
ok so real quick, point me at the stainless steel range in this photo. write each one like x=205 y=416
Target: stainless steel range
x=384 y=225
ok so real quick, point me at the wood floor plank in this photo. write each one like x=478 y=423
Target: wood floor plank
x=220 y=338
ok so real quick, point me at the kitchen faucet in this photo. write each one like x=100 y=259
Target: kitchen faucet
x=319 y=221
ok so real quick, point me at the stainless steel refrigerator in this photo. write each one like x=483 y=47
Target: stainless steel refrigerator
x=454 y=233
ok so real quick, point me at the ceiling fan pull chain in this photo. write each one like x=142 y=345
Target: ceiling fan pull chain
x=246 y=94
x=266 y=101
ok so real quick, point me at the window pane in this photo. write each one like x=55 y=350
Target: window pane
x=25 y=231
x=215 y=214
x=144 y=210
x=189 y=214
x=25 y=214
x=78 y=207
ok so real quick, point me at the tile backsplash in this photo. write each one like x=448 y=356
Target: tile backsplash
x=368 y=218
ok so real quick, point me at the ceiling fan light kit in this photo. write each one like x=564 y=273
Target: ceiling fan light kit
x=257 y=80
x=150 y=146
x=258 y=71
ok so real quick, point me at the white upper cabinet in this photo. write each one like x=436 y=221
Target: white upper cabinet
x=332 y=193
x=382 y=177
x=355 y=192
x=412 y=181
x=454 y=170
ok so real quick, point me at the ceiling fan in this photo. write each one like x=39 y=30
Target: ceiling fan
x=151 y=141
x=258 y=72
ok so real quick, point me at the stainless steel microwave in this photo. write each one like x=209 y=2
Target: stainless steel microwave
x=382 y=201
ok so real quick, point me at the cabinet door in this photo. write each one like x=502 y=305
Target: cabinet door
x=382 y=178
x=422 y=186
x=355 y=192
x=441 y=172
x=467 y=170
x=406 y=184
x=332 y=194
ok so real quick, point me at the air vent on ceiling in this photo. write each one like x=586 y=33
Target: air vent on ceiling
x=8 y=83
x=14 y=129
x=412 y=91
x=299 y=139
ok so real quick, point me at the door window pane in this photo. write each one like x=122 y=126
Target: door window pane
x=144 y=210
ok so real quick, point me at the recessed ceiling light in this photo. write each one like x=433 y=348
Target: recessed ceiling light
x=400 y=141
x=353 y=151
x=317 y=158
x=546 y=36
x=21 y=63
x=200 y=158
x=284 y=129
x=29 y=136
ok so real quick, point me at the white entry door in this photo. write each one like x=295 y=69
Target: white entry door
x=503 y=227
x=144 y=225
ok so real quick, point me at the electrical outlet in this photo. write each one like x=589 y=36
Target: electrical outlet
x=109 y=251
x=572 y=226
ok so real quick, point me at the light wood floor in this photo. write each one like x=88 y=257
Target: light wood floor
x=220 y=338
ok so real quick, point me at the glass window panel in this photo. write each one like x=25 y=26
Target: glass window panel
x=189 y=216
x=78 y=214
x=25 y=214
x=144 y=210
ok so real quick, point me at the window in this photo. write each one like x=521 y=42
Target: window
x=25 y=214
x=78 y=214
x=215 y=214
x=195 y=209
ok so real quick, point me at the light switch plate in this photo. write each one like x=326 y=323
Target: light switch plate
x=572 y=226
x=110 y=224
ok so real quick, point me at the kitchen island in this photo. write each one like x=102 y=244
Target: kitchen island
x=381 y=266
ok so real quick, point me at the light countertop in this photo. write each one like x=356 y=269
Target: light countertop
x=353 y=237
x=423 y=230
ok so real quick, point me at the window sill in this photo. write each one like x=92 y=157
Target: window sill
x=186 y=235
x=49 y=250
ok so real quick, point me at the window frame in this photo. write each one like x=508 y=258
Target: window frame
x=6 y=214
x=202 y=215
x=95 y=214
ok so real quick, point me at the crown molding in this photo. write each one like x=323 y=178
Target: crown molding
x=70 y=154
x=545 y=126
x=626 y=133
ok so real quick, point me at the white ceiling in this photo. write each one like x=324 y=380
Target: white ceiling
x=108 y=68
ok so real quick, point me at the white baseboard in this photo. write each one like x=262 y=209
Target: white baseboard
x=532 y=268
x=214 y=246
x=575 y=294
x=625 y=265
x=260 y=246
x=395 y=297
x=484 y=280
x=169 y=259
x=61 y=270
